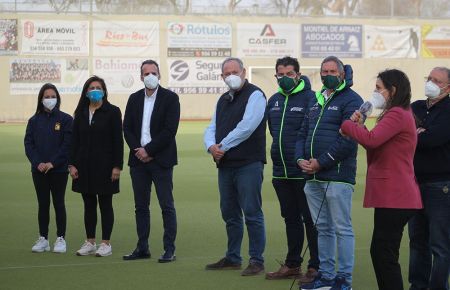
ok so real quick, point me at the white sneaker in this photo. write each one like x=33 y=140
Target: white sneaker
x=87 y=249
x=59 y=246
x=41 y=245
x=104 y=250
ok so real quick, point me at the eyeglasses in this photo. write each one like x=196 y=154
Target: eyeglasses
x=291 y=74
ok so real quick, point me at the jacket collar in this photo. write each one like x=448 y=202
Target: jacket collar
x=440 y=103
x=300 y=86
x=106 y=106
x=51 y=113
x=320 y=97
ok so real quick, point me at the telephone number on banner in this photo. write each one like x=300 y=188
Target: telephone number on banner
x=55 y=48
x=198 y=90
x=195 y=52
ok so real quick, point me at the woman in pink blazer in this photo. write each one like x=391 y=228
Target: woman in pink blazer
x=391 y=186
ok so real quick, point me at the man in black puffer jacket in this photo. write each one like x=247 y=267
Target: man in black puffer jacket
x=285 y=112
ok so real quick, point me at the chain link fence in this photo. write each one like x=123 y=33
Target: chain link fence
x=293 y=8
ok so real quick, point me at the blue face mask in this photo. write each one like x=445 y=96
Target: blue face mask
x=95 y=95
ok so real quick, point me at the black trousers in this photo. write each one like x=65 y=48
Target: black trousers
x=142 y=177
x=53 y=183
x=295 y=211
x=90 y=214
x=387 y=236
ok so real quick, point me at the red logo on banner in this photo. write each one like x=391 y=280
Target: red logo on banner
x=28 y=29
x=176 y=28
x=267 y=31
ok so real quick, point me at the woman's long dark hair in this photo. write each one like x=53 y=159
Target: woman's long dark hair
x=40 y=107
x=397 y=84
x=84 y=101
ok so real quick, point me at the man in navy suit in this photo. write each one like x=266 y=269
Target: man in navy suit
x=150 y=125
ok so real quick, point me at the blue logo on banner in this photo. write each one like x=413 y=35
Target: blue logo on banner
x=322 y=40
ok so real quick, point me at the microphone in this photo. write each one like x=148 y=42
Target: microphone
x=365 y=109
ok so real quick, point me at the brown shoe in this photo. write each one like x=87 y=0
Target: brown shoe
x=283 y=273
x=308 y=277
x=223 y=264
x=253 y=269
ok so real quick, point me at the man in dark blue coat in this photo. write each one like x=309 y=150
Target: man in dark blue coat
x=150 y=125
x=329 y=162
x=285 y=112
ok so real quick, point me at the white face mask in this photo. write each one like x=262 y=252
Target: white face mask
x=151 y=82
x=378 y=100
x=432 y=91
x=49 y=104
x=234 y=82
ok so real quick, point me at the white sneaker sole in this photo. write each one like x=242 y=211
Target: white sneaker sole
x=85 y=254
x=103 y=255
x=321 y=288
x=47 y=249
x=59 y=251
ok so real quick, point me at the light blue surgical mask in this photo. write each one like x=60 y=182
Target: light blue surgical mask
x=95 y=95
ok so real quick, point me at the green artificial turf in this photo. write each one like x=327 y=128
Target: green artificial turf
x=201 y=232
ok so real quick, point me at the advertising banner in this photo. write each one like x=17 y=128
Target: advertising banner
x=267 y=40
x=126 y=38
x=121 y=75
x=435 y=41
x=8 y=36
x=392 y=41
x=27 y=75
x=322 y=40
x=186 y=39
x=196 y=76
x=50 y=37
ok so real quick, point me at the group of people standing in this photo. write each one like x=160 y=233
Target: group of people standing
x=90 y=148
x=314 y=149
x=315 y=142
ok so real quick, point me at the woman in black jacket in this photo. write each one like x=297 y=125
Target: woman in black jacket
x=96 y=161
x=47 y=143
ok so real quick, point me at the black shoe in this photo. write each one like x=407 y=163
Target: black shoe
x=223 y=264
x=167 y=257
x=137 y=255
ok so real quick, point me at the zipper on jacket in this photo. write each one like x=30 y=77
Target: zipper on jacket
x=299 y=88
x=280 y=135
x=340 y=88
x=317 y=124
x=48 y=129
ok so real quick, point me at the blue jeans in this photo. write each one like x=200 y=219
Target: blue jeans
x=429 y=233
x=330 y=204
x=240 y=192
